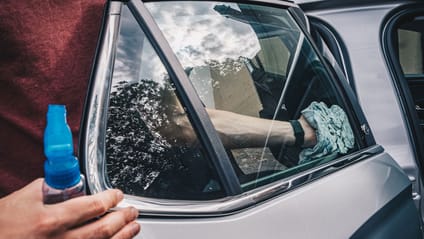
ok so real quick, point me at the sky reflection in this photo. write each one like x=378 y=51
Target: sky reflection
x=199 y=34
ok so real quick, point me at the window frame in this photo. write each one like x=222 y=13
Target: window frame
x=400 y=83
x=324 y=36
x=92 y=138
x=329 y=37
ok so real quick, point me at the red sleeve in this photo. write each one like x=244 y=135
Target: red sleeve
x=46 y=53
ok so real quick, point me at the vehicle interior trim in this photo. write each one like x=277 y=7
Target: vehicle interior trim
x=92 y=150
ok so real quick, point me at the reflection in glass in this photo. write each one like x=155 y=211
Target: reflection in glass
x=151 y=147
x=251 y=60
x=247 y=59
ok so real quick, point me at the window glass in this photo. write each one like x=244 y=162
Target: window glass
x=151 y=147
x=254 y=70
x=410 y=48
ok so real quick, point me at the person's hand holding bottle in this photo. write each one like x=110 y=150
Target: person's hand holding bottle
x=24 y=215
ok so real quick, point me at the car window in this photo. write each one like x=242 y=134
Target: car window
x=151 y=147
x=410 y=50
x=243 y=60
x=410 y=46
x=252 y=61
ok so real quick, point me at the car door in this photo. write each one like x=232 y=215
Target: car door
x=164 y=75
x=383 y=67
x=403 y=47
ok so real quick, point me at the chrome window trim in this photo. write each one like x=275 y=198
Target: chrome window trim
x=150 y=207
x=92 y=150
x=94 y=135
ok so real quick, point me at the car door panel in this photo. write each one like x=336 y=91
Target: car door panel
x=395 y=220
x=395 y=55
x=325 y=208
x=347 y=198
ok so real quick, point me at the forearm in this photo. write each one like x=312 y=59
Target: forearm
x=250 y=132
x=241 y=131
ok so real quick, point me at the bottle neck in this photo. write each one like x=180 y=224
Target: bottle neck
x=61 y=167
x=58 y=140
x=56 y=115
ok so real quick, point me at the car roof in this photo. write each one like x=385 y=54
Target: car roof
x=325 y=4
x=345 y=2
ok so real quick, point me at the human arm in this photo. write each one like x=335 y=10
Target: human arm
x=241 y=131
x=327 y=131
x=23 y=215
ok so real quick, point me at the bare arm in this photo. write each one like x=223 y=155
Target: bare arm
x=241 y=131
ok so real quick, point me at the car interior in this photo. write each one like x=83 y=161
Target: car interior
x=410 y=41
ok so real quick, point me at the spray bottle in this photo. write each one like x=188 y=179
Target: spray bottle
x=63 y=179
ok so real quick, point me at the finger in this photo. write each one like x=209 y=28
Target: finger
x=129 y=231
x=108 y=226
x=78 y=210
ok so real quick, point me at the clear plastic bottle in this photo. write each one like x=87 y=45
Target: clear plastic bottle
x=63 y=179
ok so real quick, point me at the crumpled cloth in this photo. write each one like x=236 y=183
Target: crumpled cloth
x=333 y=132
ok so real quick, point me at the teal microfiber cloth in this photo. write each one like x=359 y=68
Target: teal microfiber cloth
x=333 y=132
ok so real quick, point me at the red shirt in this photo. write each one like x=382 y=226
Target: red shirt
x=46 y=53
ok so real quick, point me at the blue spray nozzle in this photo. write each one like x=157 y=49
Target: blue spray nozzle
x=57 y=135
x=61 y=168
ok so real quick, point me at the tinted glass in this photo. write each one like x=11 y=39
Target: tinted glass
x=151 y=147
x=248 y=63
x=410 y=48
